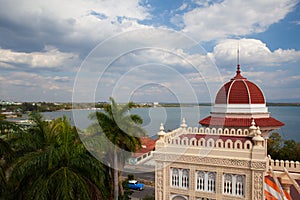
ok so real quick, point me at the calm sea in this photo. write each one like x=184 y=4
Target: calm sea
x=171 y=118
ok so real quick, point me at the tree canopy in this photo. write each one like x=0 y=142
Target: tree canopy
x=55 y=165
x=281 y=149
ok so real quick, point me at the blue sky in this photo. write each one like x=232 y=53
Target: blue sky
x=146 y=50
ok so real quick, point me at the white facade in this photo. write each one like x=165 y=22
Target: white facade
x=214 y=163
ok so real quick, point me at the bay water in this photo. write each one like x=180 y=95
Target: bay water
x=171 y=118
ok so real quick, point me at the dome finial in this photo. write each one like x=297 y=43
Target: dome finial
x=238 y=54
x=238 y=70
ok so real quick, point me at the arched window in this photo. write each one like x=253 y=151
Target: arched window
x=234 y=184
x=238 y=144
x=228 y=144
x=175 y=177
x=200 y=180
x=179 y=178
x=202 y=142
x=239 y=188
x=206 y=181
x=211 y=182
x=219 y=143
x=210 y=142
x=193 y=142
x=185 y=178
x=227 y=184
x=179 y=197
x=248 y=145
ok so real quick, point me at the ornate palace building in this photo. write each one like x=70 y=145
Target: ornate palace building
x=226 y=158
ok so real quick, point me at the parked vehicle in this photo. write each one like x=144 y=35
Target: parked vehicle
x=135 y=185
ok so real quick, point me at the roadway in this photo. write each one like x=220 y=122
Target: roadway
x=148 y=191
x=144 y=174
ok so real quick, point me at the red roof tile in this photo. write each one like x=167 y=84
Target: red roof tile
x=239 y=91
x=148 y=145
x=239 y=122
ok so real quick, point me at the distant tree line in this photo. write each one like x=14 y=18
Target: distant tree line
x=281 y=149
x=50 y=106
x=36 y=107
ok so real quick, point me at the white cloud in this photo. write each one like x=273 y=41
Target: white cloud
x=77 y=25
x=49 y=58
x=252 y=52
x=182 y=7
x=296 y=22
x=278 y=84
x=76 y=9
x=34 y=80
x=26 y=86
x=203 y=3
x=81 y=25
x=235 y=17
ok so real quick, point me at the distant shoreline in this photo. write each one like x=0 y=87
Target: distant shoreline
x=211 y=104
x=17 y=109
x=283 y=104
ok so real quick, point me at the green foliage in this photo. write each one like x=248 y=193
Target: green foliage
x=56 y=166
x=122 y=132
x=274 y=144
x=6 y=153
x=281 y=149
x=119 y=128
x=48 y=160
x=127 y=191
x=130 y=177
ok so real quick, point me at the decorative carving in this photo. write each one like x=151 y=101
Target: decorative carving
x=259 y=165
x=159 y=182
x=211 y=161
x=258 y=186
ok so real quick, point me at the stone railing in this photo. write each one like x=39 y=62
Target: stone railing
x=205 y=131
x=209 y=143
x=243 y=139
x=218 y=131
x=174 y=133
x=279 y=165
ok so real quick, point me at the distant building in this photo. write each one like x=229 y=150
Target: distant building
x=227 y=157
x=144 y=153
x=5 y=103
x=155 y=104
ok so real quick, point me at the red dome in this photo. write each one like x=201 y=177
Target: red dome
x=240 y=91
x=237 y=103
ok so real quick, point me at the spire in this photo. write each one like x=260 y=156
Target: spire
x=161 y=133
x=258 y=139
x=238 y=68
x=183 y=124
x=238 y=73
x=238 y=55
x=252 y=128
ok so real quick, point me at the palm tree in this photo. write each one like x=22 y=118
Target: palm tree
x=6 y=153
x=60 y=169
x=123 y=130
x=32 y=138
x=6 y=157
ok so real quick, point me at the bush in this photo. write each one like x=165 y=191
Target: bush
x=130 y=177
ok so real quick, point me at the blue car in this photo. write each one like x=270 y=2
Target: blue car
x=133 y=184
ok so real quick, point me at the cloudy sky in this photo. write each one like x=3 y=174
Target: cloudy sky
x=146 y=50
